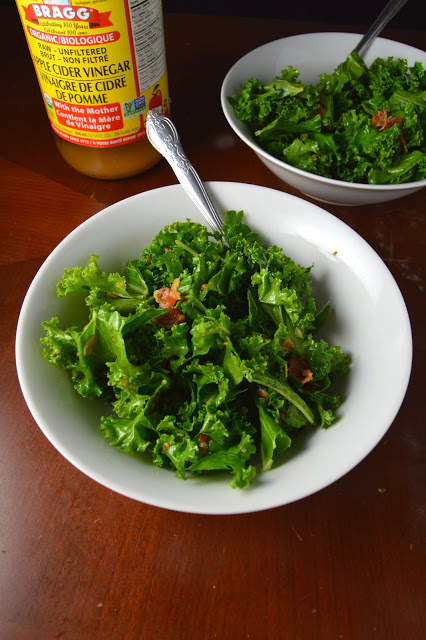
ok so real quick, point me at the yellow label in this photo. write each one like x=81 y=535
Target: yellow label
x=101 y=65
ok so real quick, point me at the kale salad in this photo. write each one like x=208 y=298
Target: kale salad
x=206 y=348
x=359 y=124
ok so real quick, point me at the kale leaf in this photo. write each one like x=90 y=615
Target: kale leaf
x=358 y=124
x=205 y=348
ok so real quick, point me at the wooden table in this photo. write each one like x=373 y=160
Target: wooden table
x=80 y=562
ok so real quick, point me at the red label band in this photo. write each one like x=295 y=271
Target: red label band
x=95 y=20
x=95 y=119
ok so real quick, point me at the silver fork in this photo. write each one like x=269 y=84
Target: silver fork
x=164 y=137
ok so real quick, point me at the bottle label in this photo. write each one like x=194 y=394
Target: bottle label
x=101 y=65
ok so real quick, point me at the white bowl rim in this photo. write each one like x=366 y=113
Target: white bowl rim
x=73 y=458
x=237 y=126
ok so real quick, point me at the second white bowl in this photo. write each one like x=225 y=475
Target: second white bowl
x=313 y=54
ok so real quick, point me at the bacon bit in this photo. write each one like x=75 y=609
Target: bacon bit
x=307 y=376
x=202 y=447
x=165 y=447
x=320 y=111
x=299 y=369
x=167 y=297
x=204 y=286
x=264 y=336
x=166 y=249
x=382 y=121
x=123 y=382
x=261 y=393
x=174 y=288
x=148 y=260
x=286 y=344
x=122 y=284
x=281 y=412
x=169 y=319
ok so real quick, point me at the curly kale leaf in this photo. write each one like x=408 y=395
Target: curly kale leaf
x=328 y=128
x=233 y=381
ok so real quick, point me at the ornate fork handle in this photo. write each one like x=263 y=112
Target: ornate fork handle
x=163 y=135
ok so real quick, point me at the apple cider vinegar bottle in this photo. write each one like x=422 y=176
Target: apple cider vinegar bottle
x=101 y=66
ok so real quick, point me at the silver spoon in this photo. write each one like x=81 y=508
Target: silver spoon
x=164 y=137
x=390 y=10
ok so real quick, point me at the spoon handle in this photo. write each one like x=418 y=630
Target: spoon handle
x=380 y=23
x=164 y=137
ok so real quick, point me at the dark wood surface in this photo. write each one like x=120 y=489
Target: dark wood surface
x=78 y=561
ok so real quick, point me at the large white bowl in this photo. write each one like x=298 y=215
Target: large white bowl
x=369 y=320
x=312 y=54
